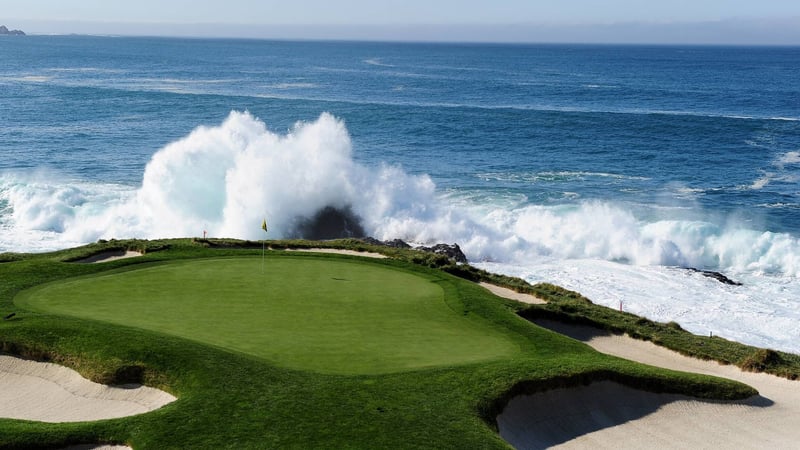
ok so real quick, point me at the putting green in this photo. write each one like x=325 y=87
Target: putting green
x=324 y=314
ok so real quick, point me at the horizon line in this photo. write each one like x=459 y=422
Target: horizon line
x=736 y=32
x=410 y=41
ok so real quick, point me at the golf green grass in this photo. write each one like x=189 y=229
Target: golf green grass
x=329 y=315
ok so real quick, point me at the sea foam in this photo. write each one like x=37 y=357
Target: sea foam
x=225 y=179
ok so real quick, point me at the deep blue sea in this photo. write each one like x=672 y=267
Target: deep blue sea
x=605 y=169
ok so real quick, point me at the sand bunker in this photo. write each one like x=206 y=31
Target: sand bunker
x=338 y=251
x=48 y=392
x=608 y=415
x=513 y=295
x=110 y=256
x=579 y=417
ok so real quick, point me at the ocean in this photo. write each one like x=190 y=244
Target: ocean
x=608 y=170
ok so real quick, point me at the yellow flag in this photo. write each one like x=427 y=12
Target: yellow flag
x=264 y=225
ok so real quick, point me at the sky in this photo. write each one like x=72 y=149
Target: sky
x=642 y=21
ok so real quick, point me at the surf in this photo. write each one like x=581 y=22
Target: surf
x=222 y=179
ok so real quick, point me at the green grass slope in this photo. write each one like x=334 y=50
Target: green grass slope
x=435 y=376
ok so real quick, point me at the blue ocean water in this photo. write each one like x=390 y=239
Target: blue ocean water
x=606 y=169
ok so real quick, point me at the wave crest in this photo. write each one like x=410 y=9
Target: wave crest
x=225 y=179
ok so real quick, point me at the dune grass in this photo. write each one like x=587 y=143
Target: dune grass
x=238 y=398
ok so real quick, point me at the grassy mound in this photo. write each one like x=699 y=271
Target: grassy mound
x=279 y=359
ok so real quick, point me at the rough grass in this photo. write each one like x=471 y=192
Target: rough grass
x=231 y=399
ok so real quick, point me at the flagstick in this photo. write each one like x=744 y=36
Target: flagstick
x=263 y=243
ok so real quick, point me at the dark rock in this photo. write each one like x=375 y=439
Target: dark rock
x=451 y=251
x=394 y=243
x=329 y=223
x=717 y=276
x=372 y=241
x=7 y=32
x=397 y=243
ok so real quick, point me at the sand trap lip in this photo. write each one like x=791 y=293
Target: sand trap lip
x=512 y=295
x=108 y=256
x=338 y=251
x=47 y=392
x=607 y=415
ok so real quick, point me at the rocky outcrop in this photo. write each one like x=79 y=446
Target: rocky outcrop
x=329 y=223
x=6 y=31
x=394 y=243
x=451 y=251
x=717 y=276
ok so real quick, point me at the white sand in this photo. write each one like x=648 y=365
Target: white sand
x=115 y=255
x=513 y=295
x=48 y=392
x=607 y=415
x=338 y=252
x=110 y=256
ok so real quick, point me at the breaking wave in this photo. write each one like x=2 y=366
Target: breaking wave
x=222 y=180
x=225 y=179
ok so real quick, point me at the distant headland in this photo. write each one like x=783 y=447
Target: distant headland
x=6 y=31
